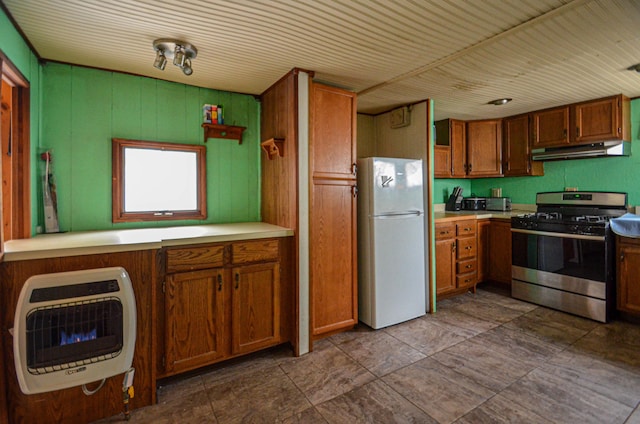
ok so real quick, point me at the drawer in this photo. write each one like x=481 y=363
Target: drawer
x=469 y=265
x=193 y=258
x=445 y=231
x=466 y=248
x=467 y=280
x=254 y=251
x=466 y=228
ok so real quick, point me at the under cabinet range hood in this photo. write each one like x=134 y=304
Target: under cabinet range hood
x=594 y=150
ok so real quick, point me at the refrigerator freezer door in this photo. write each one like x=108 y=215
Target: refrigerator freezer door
x=396 y=186
x=397 y=287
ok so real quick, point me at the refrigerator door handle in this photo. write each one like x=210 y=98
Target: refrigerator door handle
x=397 y=214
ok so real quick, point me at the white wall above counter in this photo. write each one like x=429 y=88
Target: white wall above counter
x=98 y=242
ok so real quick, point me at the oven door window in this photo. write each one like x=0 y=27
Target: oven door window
x=559 y=255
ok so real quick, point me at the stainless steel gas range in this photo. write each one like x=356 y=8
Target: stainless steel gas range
x=563 y=254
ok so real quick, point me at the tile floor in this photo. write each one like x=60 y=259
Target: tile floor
x=483 y=358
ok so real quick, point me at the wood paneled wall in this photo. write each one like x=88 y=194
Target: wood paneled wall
x=279 y=191
x=71 y=405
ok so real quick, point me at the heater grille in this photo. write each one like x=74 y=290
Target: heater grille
x=72 y=334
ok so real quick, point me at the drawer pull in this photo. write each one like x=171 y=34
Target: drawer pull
x=468 y=247
x=468 y=266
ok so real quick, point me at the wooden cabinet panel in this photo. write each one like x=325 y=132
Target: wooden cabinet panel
x=442 y=161
x=466 y=228
x=516 y=148
x=599 y=120
x=464 y=281
x=628 y=269
x=500 y=251
x=255 y=316
x=470 y=265
x=445 y=230
x=333 y=127
x=194 y=258
x=484 y=148
x=445 y=265
x=550 y=127
x=458 y=148
x=333 y=243
x=466 y=248
x=254 y=251
x=194 y=319
x=483 y=249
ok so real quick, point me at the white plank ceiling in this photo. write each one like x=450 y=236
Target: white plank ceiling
x=461 y=53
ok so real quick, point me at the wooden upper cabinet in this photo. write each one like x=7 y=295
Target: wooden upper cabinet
x=516 y=148
x=333 y=127
x=550 y=127
x=484 y=148
x=601 y=120
x=458 y=137
x=442 y=161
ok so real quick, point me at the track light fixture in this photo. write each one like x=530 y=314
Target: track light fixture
x=180 y=51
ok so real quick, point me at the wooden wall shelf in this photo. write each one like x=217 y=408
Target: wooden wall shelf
x=273 y=147
x=229 y=132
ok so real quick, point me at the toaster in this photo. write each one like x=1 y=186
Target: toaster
x=498 y=203
x=474 y=203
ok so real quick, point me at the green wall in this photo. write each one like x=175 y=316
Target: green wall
x=600 y=174
x=84 y=108
x=17 y=51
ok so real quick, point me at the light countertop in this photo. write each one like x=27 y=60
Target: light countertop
x=98 y=242
x=454 y=216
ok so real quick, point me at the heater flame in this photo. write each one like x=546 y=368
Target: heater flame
x=77 y=337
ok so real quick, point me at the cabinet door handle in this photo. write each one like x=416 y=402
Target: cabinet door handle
x=354 y=169
x=577 y=131
x=237 y=280
x=219 y=282
x=621 y=257
x=453 y=246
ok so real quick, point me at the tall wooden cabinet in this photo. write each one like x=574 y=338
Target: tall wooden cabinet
x=332 y=212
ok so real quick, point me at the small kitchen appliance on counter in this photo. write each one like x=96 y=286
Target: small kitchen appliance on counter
x=498 y=203
x=474 y=203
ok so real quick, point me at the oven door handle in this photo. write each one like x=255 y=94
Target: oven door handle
x=562 y=235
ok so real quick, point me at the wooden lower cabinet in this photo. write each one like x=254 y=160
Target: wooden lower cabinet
x=255 y=312
x=456 y=257
x=333 y=259
x=225 y=311
x=627 y=271
x=194 y=319
x=445 y=258
x=499 y=253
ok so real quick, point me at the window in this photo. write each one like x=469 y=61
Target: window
x=158 y=181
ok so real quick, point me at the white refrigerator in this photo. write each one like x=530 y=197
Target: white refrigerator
x=391 y=259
